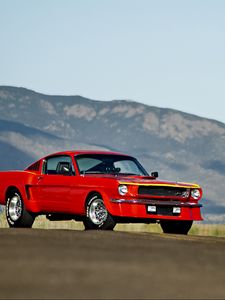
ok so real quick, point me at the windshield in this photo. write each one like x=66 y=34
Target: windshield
x=109 y=164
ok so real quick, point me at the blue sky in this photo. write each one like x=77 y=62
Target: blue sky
x=166 y=53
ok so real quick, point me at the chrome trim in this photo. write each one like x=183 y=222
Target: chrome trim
x=155 y=202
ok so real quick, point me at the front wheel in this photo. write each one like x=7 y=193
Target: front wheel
x=97 y=216
x=176 y=227
x=16 y=213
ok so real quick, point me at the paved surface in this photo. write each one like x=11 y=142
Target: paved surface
x=55 y=264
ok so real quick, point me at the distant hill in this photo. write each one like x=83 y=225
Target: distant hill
x=180 y=146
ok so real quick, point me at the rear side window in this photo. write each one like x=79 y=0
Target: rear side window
x=34 y=167
x=59 y=165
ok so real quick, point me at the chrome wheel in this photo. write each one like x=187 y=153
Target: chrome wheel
x=97 y=212
x=15 y=207
x=16 y=213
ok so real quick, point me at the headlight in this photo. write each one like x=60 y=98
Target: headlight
x=122 y=189
x=195 y=194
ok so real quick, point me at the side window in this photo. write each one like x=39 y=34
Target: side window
x=59 y=165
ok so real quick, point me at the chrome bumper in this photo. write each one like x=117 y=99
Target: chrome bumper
x=156 y=202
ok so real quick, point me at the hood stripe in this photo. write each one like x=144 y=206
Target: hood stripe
x=161 y=184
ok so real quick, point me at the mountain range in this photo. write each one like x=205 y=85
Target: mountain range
x=180 y=146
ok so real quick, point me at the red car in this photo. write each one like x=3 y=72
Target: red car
x=100 y=189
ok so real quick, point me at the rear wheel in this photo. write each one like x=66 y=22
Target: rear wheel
x=97 y=216
x=16 y=213
x=177 y=227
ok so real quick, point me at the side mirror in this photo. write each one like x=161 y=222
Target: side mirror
x=155 y=174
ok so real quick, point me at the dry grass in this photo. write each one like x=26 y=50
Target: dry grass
x=216 y=230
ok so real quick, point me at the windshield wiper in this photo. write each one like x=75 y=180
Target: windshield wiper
x=129 y=174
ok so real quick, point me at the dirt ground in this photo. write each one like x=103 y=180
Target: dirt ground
x=59 y=264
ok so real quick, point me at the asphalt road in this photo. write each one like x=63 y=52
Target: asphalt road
x=58 y=264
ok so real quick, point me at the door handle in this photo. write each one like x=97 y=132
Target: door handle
x=40 y=178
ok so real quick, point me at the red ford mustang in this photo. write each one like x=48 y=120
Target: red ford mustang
x=100 y=189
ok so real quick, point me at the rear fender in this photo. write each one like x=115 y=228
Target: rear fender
x=20 y=183
x=20 y=189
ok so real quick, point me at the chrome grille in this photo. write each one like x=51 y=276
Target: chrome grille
x=163 y=191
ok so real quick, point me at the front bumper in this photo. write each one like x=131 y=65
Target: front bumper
x=138 y=208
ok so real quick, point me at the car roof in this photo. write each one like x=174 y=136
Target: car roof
x=78 y=152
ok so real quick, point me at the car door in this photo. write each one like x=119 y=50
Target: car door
x=54 y=185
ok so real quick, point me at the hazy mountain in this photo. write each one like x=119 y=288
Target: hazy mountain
x=180 y=146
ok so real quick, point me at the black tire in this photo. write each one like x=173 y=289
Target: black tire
x=176 y=227
x=16 y=214
x=97 y=217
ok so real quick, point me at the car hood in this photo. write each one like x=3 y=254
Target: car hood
x=153 y=182
x=144 y=181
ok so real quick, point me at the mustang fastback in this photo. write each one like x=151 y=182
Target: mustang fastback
x=100 y=189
